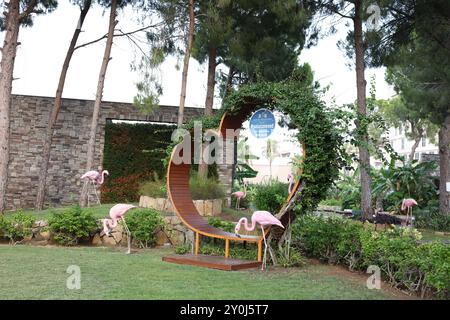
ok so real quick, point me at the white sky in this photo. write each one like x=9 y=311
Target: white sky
x=43 y=48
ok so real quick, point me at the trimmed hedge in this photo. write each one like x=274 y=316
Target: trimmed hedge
x=404 y=262
x=132 y=154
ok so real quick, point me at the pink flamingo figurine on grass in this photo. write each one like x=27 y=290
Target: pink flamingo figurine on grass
x=95 y=179
x=407 y=205
x=117 y=213
x=240 y=195
x=263 y=218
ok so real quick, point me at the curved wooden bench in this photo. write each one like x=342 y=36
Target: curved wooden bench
x=181 y=198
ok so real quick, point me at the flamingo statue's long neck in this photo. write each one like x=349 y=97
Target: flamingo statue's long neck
x=102 y=179
x=244 y=221
x=245 y=191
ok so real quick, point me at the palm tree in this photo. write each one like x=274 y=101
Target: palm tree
x=271 y=153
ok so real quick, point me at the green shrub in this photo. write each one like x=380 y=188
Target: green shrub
x=431 y=219
x=71 y=225
x=154 y=189
x=403 y=260
x=182 y=249
x=435 y=264
x=227 y=226
x=271 y=196
x=143 y=225
x=16 y=227
x=290 y=259
x=236 y=251
x=331 y=202
x=202 y=189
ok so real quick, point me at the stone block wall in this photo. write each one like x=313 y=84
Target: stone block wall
x=29 y=118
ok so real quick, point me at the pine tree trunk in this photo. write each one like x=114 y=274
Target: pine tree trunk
x=98 y=99
x=414 y=147
x=6 y=78
x=364 y=157
x=56 y=108
x=187 y=56
x=229 y=84
x=444 y=165
x=212 y=55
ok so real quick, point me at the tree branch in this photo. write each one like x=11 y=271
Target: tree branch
x=121 y=34
x=28 y=10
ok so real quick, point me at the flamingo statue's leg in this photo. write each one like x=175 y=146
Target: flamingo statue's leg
x=88 y=186
x=128 y=235
x=95 y=191
x=265 y=249
x=98 y=197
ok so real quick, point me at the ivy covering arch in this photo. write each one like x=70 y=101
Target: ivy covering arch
x=318 y=132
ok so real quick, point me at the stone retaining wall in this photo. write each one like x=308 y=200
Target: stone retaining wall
x=29 y=118
x=206 y=208
x=173 y=233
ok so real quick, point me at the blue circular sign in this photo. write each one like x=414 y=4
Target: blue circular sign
x=262 y=123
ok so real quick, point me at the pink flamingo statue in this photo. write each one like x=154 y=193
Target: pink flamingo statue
x=263 y=218
x=240 y=195
x=407 y=205
x=291 y=181
x=117 y=213
x=95 y=179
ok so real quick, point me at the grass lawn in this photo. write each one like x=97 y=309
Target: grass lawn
x=28 y=272
x=431 y=235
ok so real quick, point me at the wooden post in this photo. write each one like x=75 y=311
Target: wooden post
x=227 y=248
x=197 y=242
x=259 y=250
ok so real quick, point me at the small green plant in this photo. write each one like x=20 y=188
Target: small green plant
x=290 y=259
x=331 y=202
x=182 y=249
x=154 y=189
x=69 y=226
x=236 y=250
x=270 y=196
x=431 y=218
x=143 y=225
x=205 y=188
x=16 y=227
x=221 y=224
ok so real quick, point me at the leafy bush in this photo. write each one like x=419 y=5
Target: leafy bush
x=432 y=219
x=17 y=226
x=402 y=259
x=331 y=202
x=271 y=196
x=221 y=224
x=153 y=188
x=143 y=225
x=236 y=251
x=208 y=188
x=295 y=259
x=410 y=180
x=71 y=225
x=182 y=249
x=350 y=191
